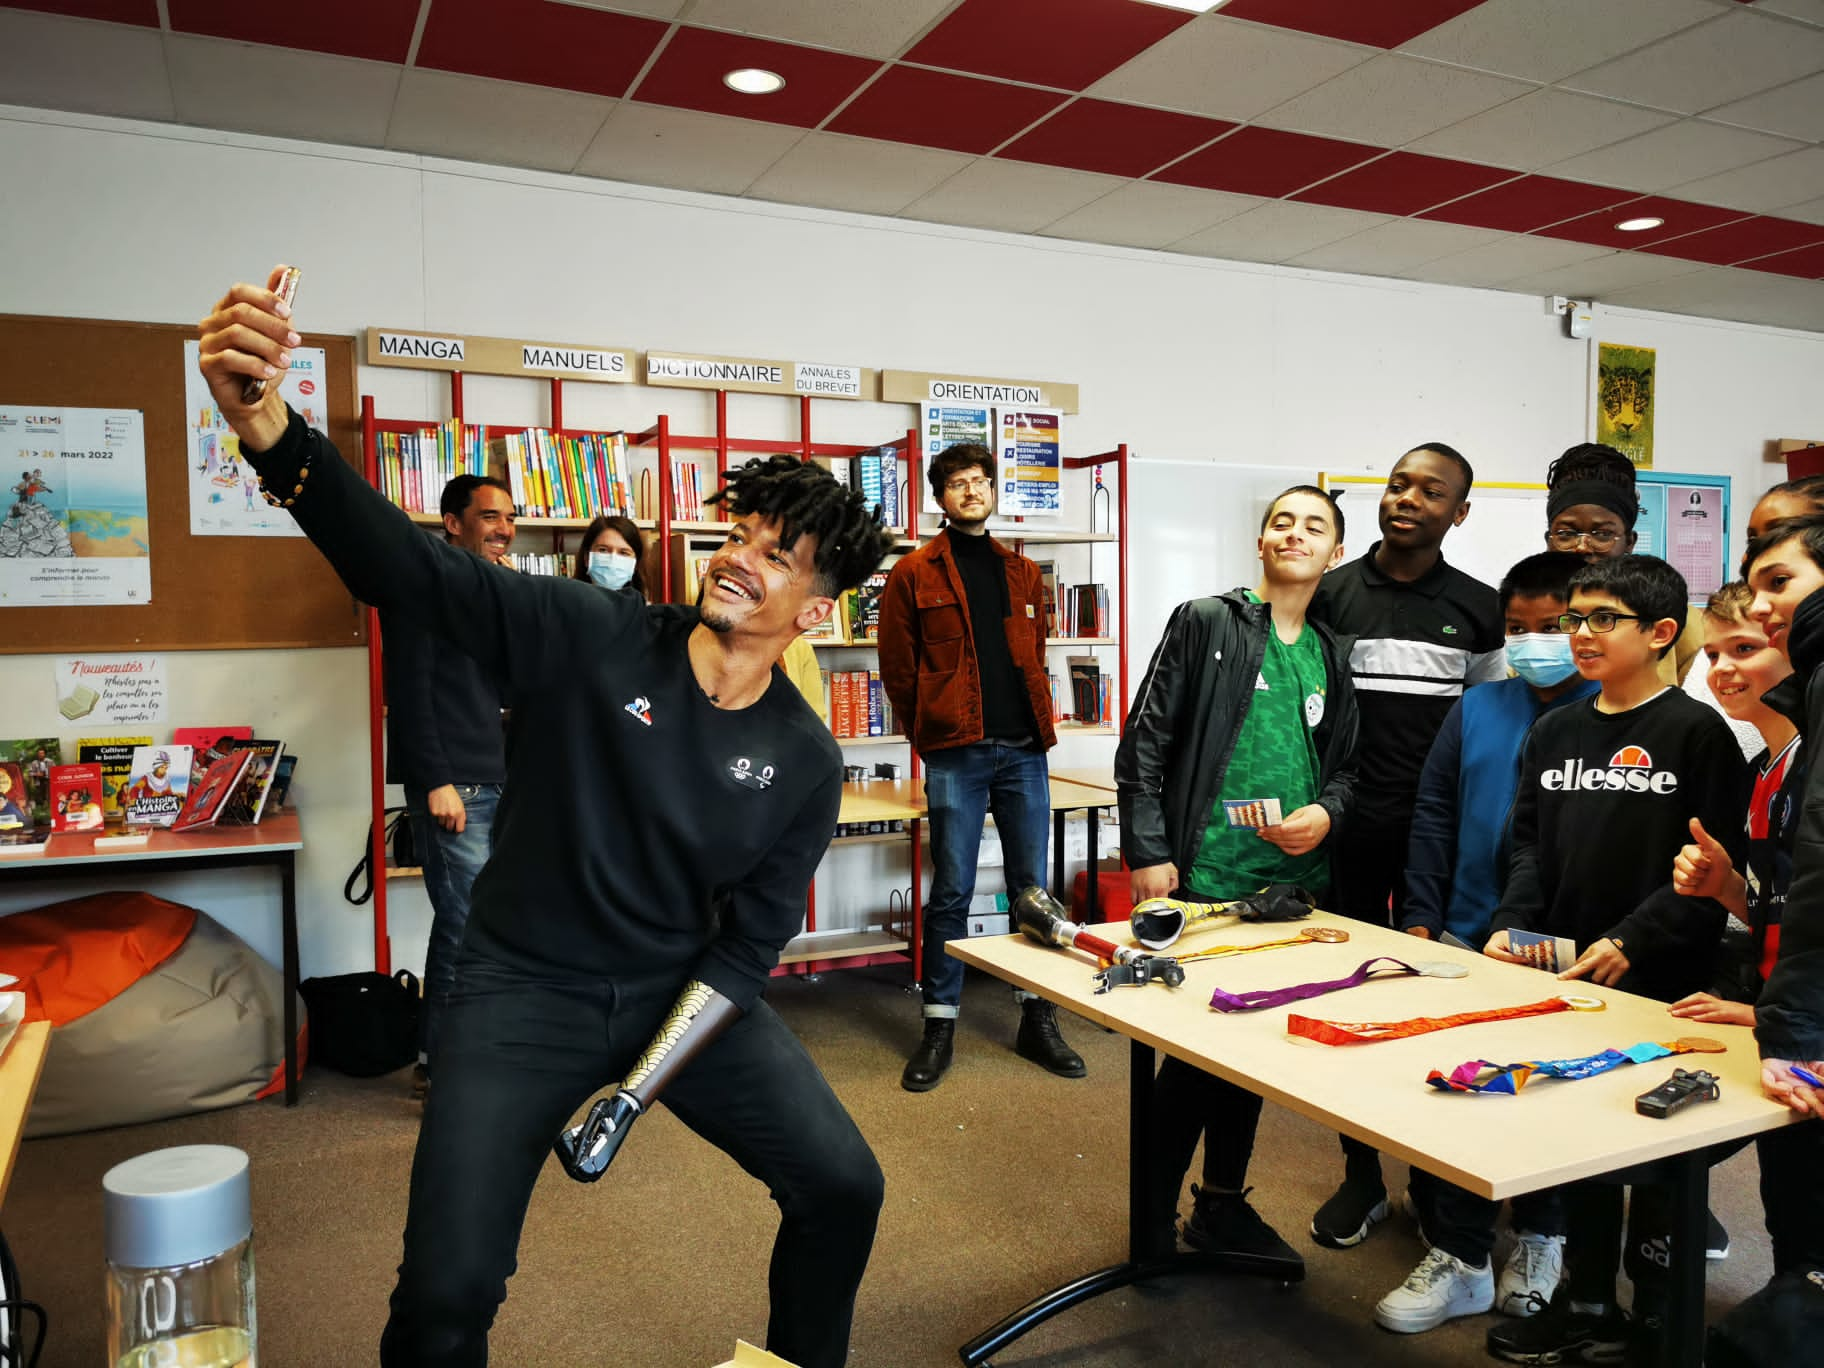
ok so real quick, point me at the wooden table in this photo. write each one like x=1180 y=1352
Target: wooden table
x=1067 y=795
x=19 y=1070
x=1553 y=1132
x=1088 y=778
x=274 y=843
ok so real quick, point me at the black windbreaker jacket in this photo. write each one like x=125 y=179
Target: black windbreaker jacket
x=1182 y=727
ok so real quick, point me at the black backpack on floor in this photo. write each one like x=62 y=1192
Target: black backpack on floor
x=363 y=1024
x=1781 y=1326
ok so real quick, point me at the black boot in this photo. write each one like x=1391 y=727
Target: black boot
x=1040 y=1041
x=932 y=1057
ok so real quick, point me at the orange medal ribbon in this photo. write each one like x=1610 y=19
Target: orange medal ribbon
x=1367 y=1032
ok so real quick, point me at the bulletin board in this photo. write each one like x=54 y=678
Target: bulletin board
x=208 y=593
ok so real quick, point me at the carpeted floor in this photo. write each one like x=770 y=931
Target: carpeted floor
x=1001 y=1183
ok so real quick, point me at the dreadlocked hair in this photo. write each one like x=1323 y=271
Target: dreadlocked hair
x=806 y=500
x=1591 y=461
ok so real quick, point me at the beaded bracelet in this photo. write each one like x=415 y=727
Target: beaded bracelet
x=297 y=489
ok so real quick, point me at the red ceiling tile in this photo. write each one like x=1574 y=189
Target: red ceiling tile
x=1403 y=183
x=566 y=46
x=379 y=30
x=1741 y=241
x=1116 y=139
x=936 y=109
x=1531 y=202
x=1266 y=161
x=1807 y=263
x=689 y=75
x=1383 y=23
x=1069 y=43
x=143 y=12
x=1680 y=218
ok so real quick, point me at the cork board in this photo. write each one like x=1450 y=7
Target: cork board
x=208 y=593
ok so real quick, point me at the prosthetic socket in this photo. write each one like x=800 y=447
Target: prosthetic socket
x=698 y=1016
x=1159 y=922
x=1043 y=918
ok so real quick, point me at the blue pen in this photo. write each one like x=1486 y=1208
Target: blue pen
x=1807 y=1076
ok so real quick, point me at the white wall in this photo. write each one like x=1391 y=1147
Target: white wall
x=1182 y=358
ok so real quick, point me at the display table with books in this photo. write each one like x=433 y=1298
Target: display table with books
x=274 y=843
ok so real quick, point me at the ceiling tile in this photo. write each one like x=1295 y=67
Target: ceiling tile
x=689 y=71
x=1392 y=100
x=873 y=28
x=1737 y=54
x=1276 y=231
x=58 y=63
x=1811 y=11
x=1669 y=156
x=1807 y=262
x=281 y=92
x=1403 y=183
x=1680 y=218
x=1538 y=129
x=1499 y=262
x=654 y=145
x=652 y=9
x=1741 y=241
x=379 y=30
x=1069 y=43
x=1015 y=197
x=1795 y=110
x=1395 y=247
x=1597 y=277
x=1229 y=69
x=471 y=118
x=1546 y=40
x=1382 y=25
x=553 y=45
x=1812 y=211
x=1771 y=184
x=1264 y=161
x=1531 y=202
x=143 y=12
x=937 y=109
x=1117 y=139
x=1148 y=214
x=1716 y=293
x=860 y=175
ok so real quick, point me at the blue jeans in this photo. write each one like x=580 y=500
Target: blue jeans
x=451 y=860
x=962 y=786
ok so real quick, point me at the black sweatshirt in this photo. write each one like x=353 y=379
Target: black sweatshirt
x=635 y=810
x=1006 y=708
x=442 y=711
x=1604 y=806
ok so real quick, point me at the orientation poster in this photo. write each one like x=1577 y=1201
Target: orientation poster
x=944 y=425
x=74 y=495
x=1029 y=461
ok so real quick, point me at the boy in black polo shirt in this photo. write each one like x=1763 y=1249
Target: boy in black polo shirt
x=1608 y=791
x=1423 y=633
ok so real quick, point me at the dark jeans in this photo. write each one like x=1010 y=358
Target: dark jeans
x=1462 y=1224
x=1187 y=1104
x=451 y=860
x=520 y=1050
x=1368 y=865
x=1792 y=1195
x=962 y=786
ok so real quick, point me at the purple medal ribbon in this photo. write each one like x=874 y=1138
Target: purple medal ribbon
x=1382 y=966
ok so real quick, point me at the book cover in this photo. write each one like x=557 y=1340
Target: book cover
x=249 y=801
x=207 y=798
x=115 y=756
x=1554 y=954
x=34 y=758
x=76 y=798
x=877 y=698
x=157 y=784
x=281 y=782
x=1085 y=687
x=201 y=738
x=15 y=800
x=864 y=607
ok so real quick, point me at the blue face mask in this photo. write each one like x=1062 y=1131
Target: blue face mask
x=609 y=570
x=1542 y=659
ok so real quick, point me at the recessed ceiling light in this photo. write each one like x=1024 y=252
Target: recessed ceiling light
x=754 y=81
x=1640 y=225
x=1194 y=6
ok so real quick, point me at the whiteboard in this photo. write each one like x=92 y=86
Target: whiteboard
x=1506 y=523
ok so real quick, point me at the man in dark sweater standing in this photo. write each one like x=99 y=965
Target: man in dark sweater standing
x=962 y=643
x=445 y=747
x=607 y=931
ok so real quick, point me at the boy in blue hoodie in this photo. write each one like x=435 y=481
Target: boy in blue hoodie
x=1456 y=864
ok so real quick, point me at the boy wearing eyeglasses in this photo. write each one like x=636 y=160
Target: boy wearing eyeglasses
x=1608 y=792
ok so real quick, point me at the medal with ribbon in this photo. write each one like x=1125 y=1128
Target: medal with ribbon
x=1311 y=935
x=1383 y=966
x=1480 y=1076
x=1367 y=1032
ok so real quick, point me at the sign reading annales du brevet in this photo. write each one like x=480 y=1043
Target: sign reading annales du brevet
x=756 y=375
x=922 y=387
x=498 y=356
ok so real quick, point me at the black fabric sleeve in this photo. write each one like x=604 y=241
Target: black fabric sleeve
x=1431 y=851
x=1523 y=899
x=1789 y=1014
x=1146 y=745
x=417 y=751
x=1338 y=793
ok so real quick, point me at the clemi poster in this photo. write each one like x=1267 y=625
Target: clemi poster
x=74 y=530
x=1029 y=461
x=225 y=496
x=1624 y=401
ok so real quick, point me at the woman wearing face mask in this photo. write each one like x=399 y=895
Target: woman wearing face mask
x=610 y=555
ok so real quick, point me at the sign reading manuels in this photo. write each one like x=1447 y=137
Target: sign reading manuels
x=756 y=375
x=497 y=356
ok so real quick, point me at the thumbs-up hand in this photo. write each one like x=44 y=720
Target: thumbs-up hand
x=1703 y=868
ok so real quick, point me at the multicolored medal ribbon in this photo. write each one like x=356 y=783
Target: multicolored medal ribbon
x=1383 y=966
x=1311 y=935
x=1367 y=1032
x=1508 y=1079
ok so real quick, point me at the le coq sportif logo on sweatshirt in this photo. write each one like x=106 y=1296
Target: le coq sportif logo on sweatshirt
x=1629 y=770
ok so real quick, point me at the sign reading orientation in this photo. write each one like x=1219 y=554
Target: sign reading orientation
x=1029 y=461
x=74 y=529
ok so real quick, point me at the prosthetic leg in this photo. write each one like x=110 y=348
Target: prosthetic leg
x=1042 y=918
x=1158 y=922
x=698 y=1016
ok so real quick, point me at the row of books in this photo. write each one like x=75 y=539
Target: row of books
x=558 y=475
x=858 y=704
x=876 y=474
x=857 y=615
x=1073 y=610
x=687 y=491
x=1090 y=696
x=561 y=564
x=415 y=466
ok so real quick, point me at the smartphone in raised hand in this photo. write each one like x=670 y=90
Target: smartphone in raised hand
x=255 y=389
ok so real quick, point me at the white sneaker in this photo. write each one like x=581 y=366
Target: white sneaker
x=1440 y=1288
x=1531 y=1274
